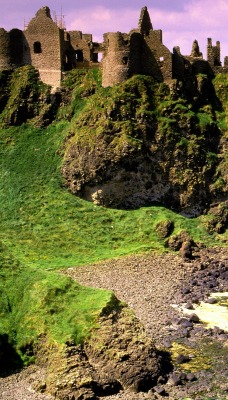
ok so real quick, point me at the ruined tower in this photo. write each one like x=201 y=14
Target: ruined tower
x=196 y=50
x=139 y=52
x=52 y=50
x=44 y=47
x=213 y=53
x=157 y=59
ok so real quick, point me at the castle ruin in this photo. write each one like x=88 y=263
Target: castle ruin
x=53 y=50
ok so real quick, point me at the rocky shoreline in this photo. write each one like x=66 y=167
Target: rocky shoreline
x=152 y=286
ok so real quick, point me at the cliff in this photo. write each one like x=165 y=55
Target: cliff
x=135 y=144
x=142 y=143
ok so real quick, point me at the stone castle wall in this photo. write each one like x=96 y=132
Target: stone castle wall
x=43 y=44
x=115 y=63
x=157 y=59
x=53 y=50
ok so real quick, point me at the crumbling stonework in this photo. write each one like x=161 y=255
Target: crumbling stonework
x=53 y=50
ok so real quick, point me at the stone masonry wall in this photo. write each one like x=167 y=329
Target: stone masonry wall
x=81 y=46
x=115 y=63
x=135 y=60
x=43 y=47
x=157 y=59
x=53 y=50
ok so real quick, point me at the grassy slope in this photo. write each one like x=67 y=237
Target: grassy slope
x=44 y=227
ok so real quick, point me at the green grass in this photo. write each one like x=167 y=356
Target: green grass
x=38 y=304
x=44 y=228
x=44 y=225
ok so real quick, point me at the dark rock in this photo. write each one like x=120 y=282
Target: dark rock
x=174 y=380
x=211 y=284
x=186 y=332
x=223 y=336
x=218 y=331
x=195 y=300
x=189 y=305
x=167 y=343
x=186 y=323
x=175 y=321
x=159 y=389
x=195 y=283
x=181 y=358
x=194 y=318
x=190 y=377
x=186 y=290
x=224 y=275
x=182 y=376
x=211 y=300
x=186 y=250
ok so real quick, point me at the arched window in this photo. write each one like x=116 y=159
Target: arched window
x=37 y=47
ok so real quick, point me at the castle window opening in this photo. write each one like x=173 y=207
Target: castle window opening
x=79 y=55
x=95 y=57
x=161 y=59
x=125 y=60
x=37 y=47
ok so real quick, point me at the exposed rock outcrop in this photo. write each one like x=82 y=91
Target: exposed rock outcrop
x=118 y=355
x=145 y=143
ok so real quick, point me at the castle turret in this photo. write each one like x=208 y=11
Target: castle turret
x=213 y=53
x=196 y=50
x=115 y=62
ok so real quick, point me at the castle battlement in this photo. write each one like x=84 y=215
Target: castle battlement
x=53 y=50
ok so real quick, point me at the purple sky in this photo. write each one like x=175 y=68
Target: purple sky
x=182 y=21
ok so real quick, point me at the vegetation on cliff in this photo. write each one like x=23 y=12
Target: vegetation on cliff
x=93 y=135
x=141 y=143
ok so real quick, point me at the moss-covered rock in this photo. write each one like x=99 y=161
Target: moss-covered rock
x=24 y=97
x=142 y=142
x=117 y=356
x=164 y=228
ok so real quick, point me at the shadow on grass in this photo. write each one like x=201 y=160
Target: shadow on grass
x=10 y=361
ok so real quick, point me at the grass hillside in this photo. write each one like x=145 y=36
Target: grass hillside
x=44 y=228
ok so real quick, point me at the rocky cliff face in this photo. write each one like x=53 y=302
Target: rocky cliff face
x=136 y=144
x=117 y=356
x=142 y=143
